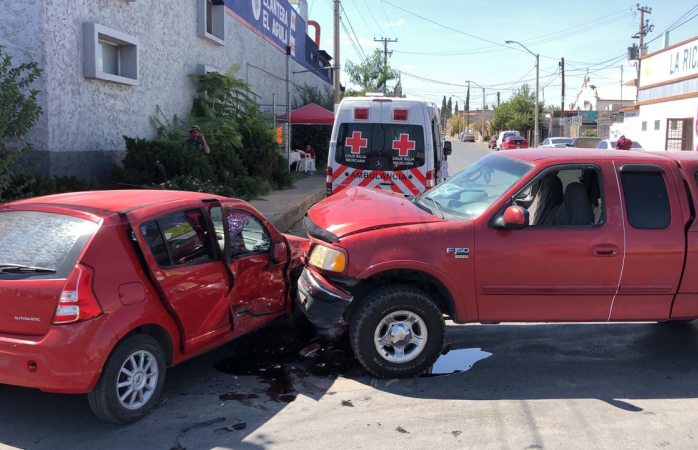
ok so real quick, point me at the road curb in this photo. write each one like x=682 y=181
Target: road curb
x=286 y=207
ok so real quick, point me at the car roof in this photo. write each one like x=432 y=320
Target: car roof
x=537 y=155
x=115 y=200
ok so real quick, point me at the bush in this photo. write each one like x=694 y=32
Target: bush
x=26 y=186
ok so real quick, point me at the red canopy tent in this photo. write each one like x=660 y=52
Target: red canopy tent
x=310 y=114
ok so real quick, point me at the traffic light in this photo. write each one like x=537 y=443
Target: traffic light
x=279 y=135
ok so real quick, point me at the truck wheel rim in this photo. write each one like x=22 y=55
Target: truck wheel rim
x=400 y=336
x=137 y=380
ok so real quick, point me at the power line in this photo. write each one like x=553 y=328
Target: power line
x=346 y=16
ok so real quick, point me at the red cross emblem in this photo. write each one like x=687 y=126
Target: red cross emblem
x=356 y=142
x=404 y=145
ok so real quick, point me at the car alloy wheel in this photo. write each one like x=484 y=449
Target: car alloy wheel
x=396 y=331
x=137 y=380
x=400 y=336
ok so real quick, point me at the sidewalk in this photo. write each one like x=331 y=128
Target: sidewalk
x=286 y=207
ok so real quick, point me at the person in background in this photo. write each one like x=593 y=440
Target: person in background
x=198 y=140
x=444 y=168
x=623 y=143
x=309 y=150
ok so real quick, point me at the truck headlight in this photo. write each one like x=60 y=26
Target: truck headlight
x=329 y=259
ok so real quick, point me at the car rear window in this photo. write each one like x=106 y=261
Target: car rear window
x=39 y=239
x=586 y=142
x=380 y=146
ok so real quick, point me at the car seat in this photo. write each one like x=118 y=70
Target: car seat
x=547 y=201
x=576 y=208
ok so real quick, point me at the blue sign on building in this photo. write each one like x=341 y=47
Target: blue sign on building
x=277 y=22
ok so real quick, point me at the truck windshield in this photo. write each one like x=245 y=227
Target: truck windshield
x=472 y=191
x=380 y=146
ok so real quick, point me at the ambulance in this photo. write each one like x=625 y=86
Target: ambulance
x=394 y=144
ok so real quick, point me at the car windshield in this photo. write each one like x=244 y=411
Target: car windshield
x=471 y=192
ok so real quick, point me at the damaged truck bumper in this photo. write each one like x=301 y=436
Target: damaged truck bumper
x=322 y=303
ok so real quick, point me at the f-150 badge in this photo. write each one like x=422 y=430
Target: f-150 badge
x=458 y=252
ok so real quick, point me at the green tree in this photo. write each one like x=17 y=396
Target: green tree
x=19 y=111
x=372 y=75
x=455 y=111
x=456 y=125
x=516 y=113
x=449 y=108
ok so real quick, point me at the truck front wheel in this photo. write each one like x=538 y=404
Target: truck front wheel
x=397 y=331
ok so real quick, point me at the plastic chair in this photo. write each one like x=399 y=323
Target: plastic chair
x=306 y=163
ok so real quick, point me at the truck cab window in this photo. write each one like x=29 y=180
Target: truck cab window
x=563 y=198
x=646 y=199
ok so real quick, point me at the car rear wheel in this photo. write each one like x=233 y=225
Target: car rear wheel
x=131 y=381
x=397 y=331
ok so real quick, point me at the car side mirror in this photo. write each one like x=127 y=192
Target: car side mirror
x=279 y=253
x=447 y=148
x=514 y=218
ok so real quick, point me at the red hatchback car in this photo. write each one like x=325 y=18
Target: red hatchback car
x=101 y=291
x=514 y=142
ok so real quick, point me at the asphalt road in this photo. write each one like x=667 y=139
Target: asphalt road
x=520 y=386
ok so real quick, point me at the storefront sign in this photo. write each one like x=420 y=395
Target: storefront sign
x=275 y=20
x=674 y=63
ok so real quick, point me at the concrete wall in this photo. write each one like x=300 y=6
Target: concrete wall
x=84 y=119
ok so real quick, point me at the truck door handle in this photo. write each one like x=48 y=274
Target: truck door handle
x=604 y=250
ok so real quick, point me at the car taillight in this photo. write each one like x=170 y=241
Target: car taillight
x=430 y=179
x=399 y=114
x=77 y=300
x=361 y=113
x=328 y=181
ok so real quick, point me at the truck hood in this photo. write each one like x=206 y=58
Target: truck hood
x=357 y=209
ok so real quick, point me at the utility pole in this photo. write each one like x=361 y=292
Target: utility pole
x=562 y=73
x=467 y=106
x=621 y=85
x=335 y=71
x=645 y=28
x=497 y=98
x=385 y=42
x=288 y=103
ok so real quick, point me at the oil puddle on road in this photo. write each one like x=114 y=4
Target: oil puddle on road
x=279 y=359
x=457 y=361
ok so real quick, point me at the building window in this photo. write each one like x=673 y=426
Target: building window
x=211 y=20
x=656 y=124
x=679 y=134
x=110 y=55
x=644 y=125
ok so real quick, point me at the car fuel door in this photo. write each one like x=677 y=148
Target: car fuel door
x=257 y=256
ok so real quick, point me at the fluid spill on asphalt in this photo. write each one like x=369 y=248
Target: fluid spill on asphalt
x=275 y=357
x=457 y=361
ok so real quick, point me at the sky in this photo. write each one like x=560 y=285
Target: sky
x=442 y=43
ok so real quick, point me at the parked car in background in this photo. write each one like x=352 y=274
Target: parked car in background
x=503 y=135
x=493 y=142
x=584 y=142
x=611 y=144
x=467 y=136
x=555 y=142
x=101 y=291
x=514 y=142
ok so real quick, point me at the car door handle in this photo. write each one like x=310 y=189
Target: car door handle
x=604 y=250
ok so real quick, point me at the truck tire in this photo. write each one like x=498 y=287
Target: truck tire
x=397 y=331
x=131 y=381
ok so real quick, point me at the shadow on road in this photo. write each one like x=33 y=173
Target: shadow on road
x=222 y=397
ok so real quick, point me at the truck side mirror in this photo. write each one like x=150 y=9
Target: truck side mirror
x=447 y=148
x=514 y=218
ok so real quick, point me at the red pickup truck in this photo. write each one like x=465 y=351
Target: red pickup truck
x=537 y=235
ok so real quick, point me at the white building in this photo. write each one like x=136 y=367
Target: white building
x=109 y=66
x=666 y=114
x=603 y=98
